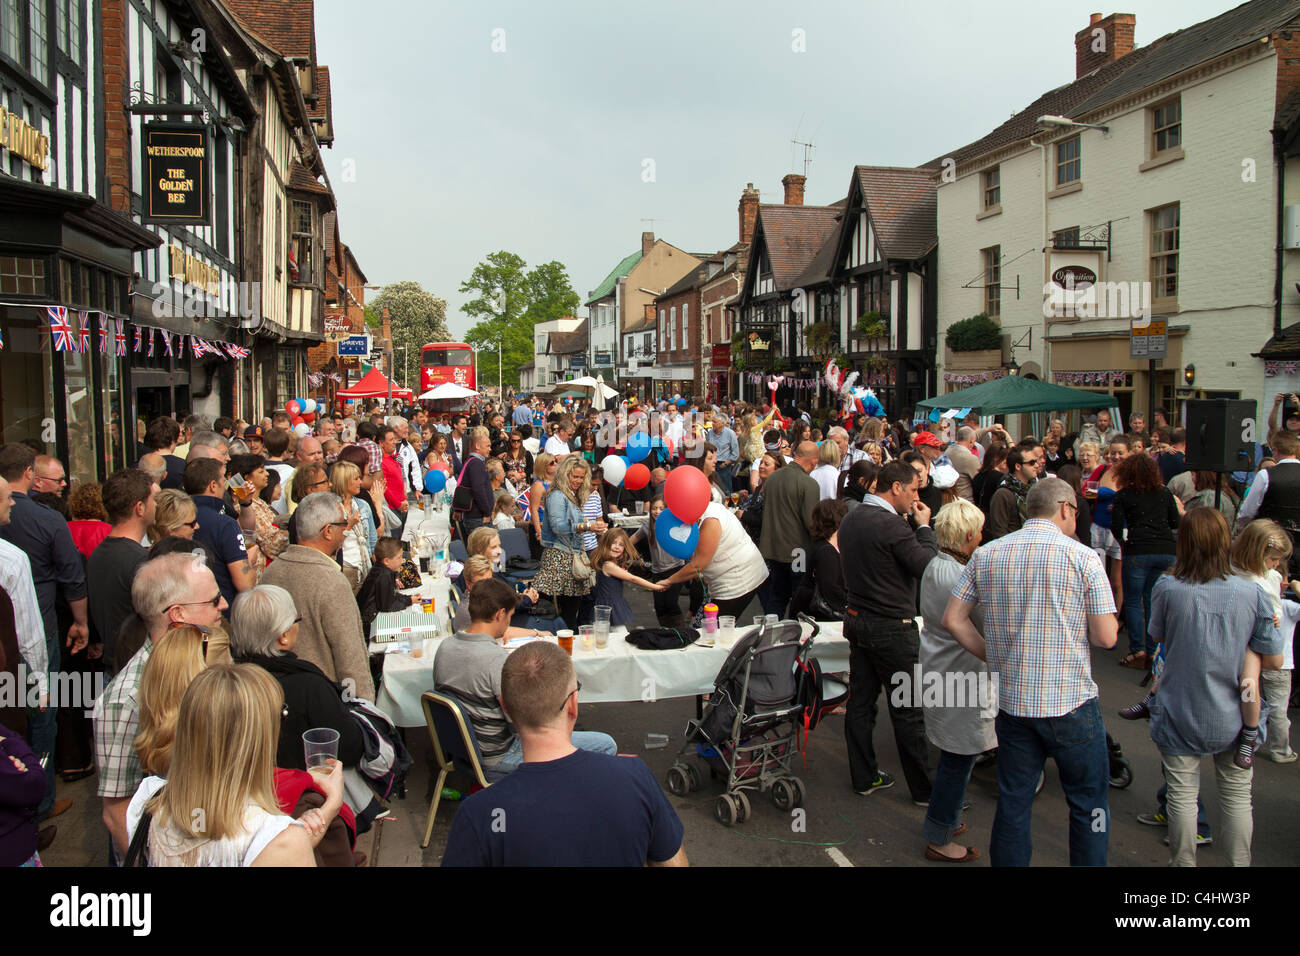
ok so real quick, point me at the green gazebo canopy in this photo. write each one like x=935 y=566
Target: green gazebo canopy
x=1013 y=394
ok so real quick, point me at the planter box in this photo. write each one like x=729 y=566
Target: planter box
x=978 y=361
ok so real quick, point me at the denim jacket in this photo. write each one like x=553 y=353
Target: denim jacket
x=559 y=524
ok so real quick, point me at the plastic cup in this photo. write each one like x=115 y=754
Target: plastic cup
x=603 y=614
x=566 y=641
x=640 y=507
x=320 y=745
x=726 y=630
x=587 y=632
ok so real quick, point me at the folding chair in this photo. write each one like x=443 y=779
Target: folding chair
x=454 y=746
x=514 y=543
x=458 y=552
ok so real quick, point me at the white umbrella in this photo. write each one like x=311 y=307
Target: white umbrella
x=447 y=390
x=597 y=386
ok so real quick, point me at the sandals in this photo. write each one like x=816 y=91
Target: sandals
x=933 y=854
x=1138 y=661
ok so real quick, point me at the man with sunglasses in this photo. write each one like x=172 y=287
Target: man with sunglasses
x=129 y=500
x=205 y=479
x=1008 y=508
x=171 y=591
x=625 y=820
x=468 y=668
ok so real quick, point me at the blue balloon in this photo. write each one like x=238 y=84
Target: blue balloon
x=681 y=403
x=638 y=446
x=435 y=481
x=670 y=537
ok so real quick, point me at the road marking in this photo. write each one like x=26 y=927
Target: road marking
x=839 y=858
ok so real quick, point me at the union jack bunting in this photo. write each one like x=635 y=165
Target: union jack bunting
x=119 y=337
x=149 y=333
x=103 y=333
x=83 y=334
x=60 y=329
x=196 y=344
x=236 y=351
x=167 y=341
x=139 y=340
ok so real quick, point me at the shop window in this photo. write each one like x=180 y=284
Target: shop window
x=22 y=276
x=79 y=398
x=85 y=287
x=115 y=452
x=65 y=281
x=26 y=383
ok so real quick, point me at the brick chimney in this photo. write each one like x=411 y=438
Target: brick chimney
x=793 y=184
x=1103 y=41
x=748 y=212
x=647 y=243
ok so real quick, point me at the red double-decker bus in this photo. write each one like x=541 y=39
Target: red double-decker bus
x=442 y=362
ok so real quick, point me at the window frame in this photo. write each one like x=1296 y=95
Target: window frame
x=306 y=273
x=1159 y=280
x=991 y=181
x=1076 y=161
x=1154 y=150
x=992 y=256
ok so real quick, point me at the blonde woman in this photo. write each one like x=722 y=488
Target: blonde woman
x=175 y=516
x=176 y=660
x=345 y=481
x=217 y=806
x=827 y=472
x=561 y=533
x=544 y=466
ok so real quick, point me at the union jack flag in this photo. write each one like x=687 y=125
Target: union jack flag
x=119 y=336
x=152 y=338
x=139 y=340
x=83 y=334
x=167 y=341
x=60 y=329
x=103 y=333
x=199 y=346
x=236 y=351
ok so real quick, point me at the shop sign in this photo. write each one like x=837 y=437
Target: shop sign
x=759 y=340
x=721 y=356
x=177 y=163
x=338 y=326
x=355 y=345
x=1148 y=339
x=23 y=139
x=194 y=272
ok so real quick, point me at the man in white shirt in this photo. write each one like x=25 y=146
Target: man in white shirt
x=559 y=443
x=407 y=457
x=29 y=626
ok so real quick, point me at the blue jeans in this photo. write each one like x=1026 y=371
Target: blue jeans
x=1077 y=742
x=582 y=739
x=1140 y=573
x=42 y=732
x=946 y=798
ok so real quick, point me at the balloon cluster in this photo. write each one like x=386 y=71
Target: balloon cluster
x=686 y=494
x=302 y=412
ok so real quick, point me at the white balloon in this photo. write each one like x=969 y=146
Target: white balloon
x=615 y=468
x=302 y=429
x=309 y=407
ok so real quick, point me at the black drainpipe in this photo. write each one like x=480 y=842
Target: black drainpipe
x=1280 y=255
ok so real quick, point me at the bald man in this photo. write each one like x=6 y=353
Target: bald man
x=310 y=451
x=789 y=497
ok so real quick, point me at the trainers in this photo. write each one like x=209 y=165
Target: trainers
x=883 y=781
x=1138 y=711
x=1156 y=818
x=1200 y=840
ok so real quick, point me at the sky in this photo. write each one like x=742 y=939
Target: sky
x=557 y=129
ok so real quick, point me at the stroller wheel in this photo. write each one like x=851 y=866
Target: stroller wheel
x=742 y=802
x=784 y=794
x=1121 y=774
x=678 y=781
x=692 y=776
x=800 y=791
x=726 y=810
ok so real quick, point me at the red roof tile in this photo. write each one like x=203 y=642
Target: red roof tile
x=793 y=235
x=903 y=209
x=287 y=25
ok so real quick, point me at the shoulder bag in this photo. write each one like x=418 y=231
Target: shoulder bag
x=462 y=498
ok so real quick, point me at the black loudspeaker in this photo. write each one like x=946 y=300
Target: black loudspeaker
x=1220 y=435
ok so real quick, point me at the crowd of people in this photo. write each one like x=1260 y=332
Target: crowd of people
x=224 y=588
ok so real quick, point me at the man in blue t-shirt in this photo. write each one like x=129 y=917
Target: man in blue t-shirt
x=205 y=479
x=563 y=806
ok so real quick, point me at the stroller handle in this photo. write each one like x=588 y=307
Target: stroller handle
x=805 y=619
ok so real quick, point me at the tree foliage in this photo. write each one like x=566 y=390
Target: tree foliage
x=971 y=335
x=509 y=299
x=417 y=316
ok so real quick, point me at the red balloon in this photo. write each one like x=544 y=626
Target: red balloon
x=637 y=477
x=308 y=417
x=443 y=467
x=686 y=493
x=296 y=420
x=292 y=407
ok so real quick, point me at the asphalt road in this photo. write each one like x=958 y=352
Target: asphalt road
x=839 y=827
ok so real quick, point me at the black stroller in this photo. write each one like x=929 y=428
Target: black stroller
x=749 y=733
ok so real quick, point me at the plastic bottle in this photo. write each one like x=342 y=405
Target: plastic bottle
x=710 y=618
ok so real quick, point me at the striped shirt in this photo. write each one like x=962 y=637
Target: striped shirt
x=591 y=512
x=468 y=668
x=117 y=721
x=1036 y=588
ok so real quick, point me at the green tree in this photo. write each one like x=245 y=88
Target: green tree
x=508 y=301
x=418 y=317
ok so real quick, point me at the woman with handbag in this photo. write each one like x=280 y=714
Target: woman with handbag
x=823 y=591
x=566 y=574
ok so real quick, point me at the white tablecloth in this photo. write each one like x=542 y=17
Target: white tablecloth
x=631 y=522
x=614 y=674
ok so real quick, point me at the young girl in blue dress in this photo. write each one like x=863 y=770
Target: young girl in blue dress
x=611 y=559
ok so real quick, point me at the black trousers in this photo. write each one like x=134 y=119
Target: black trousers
x=668 y=604
x=878 y=650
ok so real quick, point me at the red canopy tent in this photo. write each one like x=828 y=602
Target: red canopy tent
x=373 y=385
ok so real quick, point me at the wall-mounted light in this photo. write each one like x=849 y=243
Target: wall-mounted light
x=1189 y=373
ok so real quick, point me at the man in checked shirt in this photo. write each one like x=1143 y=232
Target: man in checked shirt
x=1045 y=598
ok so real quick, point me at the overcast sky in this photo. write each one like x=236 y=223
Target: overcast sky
x=446 y=150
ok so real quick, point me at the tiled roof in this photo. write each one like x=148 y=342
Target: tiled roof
x=300 y=178
x=567 y=343
x=329 y=225
x=793 y=235
x=287 y=25
x=1143 y=67
x=1285 y=345
x=322 y=108
x=607 y=284
x=689 y=281
x=819 y=270
x=903 y=208
x=527 y=365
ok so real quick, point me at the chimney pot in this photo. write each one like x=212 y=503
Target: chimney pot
x=793 y=184
x=1095 y=18
x=748 y=210
x=647 y=242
